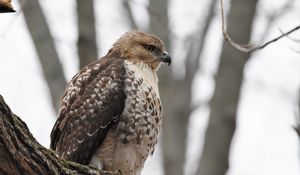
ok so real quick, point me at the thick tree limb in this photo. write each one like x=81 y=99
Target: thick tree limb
x=21 y=154
x=248 y=48
x=5 y=6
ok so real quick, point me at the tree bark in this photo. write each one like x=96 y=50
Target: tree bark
x=44 y=45
x=21 y=154
x=5 y=6
x=86 y=44
x=221 y=126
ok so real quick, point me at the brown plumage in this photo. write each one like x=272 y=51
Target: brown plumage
x=111 y=112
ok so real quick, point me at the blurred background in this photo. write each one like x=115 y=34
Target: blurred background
x=225 y=112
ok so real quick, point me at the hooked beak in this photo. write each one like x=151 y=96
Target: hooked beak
x=165 y=57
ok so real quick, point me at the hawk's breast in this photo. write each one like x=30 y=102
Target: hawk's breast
x=141 y=118
x=129 y=143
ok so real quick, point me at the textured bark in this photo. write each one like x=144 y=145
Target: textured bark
x=21 y=154
x=221 y=126
x=5 y=6
x=86 y=44
x=44 y=45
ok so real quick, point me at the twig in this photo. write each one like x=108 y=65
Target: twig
x=289 y=37
x=249 y=48
x=293 y=39
x=297 y=51
x=274 y=16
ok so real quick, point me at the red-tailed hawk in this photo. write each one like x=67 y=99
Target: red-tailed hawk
x=111 y=112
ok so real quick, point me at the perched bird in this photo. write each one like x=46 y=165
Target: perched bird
x=111 y=111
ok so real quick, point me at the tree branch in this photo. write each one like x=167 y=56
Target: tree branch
x=21 y=154
x=248 y=48
x=5 y=6
x=273 y=17
x=289 y=37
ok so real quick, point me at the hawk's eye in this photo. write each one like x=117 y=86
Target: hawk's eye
x=149 y=48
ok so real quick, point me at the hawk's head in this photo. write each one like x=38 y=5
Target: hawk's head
x=139 y=46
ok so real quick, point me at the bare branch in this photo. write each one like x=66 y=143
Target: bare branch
x=5 y=6
x=248 y=48
x=293 y=39
x=273 y=17
x=297 y=51
x=275 y=39
x=289 y=37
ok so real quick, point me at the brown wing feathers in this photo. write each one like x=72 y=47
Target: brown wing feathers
x=93 y=101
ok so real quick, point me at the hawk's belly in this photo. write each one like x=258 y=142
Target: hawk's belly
x=127 y=145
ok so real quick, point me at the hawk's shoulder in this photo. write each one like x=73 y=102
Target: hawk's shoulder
x=93 y=100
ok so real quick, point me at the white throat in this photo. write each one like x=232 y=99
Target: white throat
x=144 y=71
